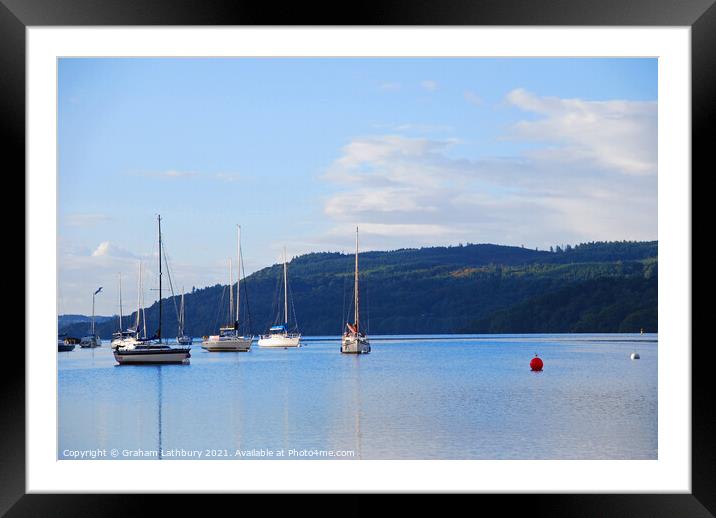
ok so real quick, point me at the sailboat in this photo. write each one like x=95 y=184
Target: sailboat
x=130 y=336
x=354 y=340
x=120 y=335
x=144 y=351
x=229 y=338
x=182 y=337
x=92 y=340
x=279 y=335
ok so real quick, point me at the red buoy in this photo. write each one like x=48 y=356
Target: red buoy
x=536 y=364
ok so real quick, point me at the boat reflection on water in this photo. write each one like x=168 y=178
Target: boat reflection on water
x=159 y=411
x=357 y=404
x=419 y=398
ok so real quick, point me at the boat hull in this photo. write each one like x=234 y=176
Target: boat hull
x=151 y=356
x=355 y=345
x=63 y=347
x=280 y=341
x=90 y=343
x=233 y=345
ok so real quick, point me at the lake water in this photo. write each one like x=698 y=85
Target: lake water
x=437 y=397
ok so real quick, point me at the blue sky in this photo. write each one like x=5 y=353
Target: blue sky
x=416 y=151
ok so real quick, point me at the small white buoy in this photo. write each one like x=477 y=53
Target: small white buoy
x=635 y=356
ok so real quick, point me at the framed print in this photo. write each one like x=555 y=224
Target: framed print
x=412 y=251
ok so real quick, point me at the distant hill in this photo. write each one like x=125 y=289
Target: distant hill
x=604 y=305
x=65 y=320
x=592 y=287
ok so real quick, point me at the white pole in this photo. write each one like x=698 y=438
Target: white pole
x=139 y=297
x=181 y=314
x=141 y=291
x=285 y=288
x=238 y=275
x=231 y=293
x=120 y=303
x=356 y=284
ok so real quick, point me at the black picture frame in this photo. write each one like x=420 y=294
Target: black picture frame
x=700 y=15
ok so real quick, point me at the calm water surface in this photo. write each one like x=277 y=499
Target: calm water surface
x=437 y=397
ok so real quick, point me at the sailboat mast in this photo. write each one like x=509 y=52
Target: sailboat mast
x=285 y=288
x=159 y=331
x=238 y=277
x=139 y=296
x=141 y=304
x=356 y=284
x=181 y=314
x=120 y=302
x=231 y=293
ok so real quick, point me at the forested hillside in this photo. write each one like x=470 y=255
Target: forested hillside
x=484 y=288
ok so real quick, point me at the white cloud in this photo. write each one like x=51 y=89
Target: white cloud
x=101 y=250
x=82 y=270
x=410 y=127
x=391 y=160
x=592 y=179
x=429 y=85
x=85 y=219
x=617 y=135
x=107 y=249
x=472 y=98
x=173 y=174
x=402 y=230
x=390 y=87
x=228 y=177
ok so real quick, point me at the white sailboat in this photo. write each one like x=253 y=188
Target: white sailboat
x=182 y=337
x=279 y=335
x=354 y=340
x=230 y=338
x=146 y=351
x=131 y=336
x=121 y=334
x=92 y=340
